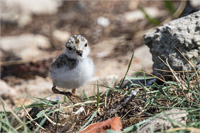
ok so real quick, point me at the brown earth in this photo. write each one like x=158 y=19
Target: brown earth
x=111 y=50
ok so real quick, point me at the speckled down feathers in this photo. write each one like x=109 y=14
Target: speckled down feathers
x=71 y=69
x=63 y=60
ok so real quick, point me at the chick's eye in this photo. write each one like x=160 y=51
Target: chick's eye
x=86 y=45
x=69 y=48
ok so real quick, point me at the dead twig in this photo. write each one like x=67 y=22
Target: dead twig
x=133 y=93
x=77 y=104
x=187 y=61
x=191 y=129
x=52 y=122
x=30 y=118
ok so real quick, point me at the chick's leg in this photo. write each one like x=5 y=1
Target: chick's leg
x=74 y=91
x=74 y=94
x=55 y=90
x=68 y=94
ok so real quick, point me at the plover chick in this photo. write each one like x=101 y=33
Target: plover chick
x=73 y=68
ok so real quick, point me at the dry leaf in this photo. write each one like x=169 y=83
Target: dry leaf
x=101 y=127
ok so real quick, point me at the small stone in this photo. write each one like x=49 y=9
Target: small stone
x=142 y=59
x=61 y=36
x=164 y=120
x=20 y=11
x=36 y=86
x=136 y=15
x=195 y=3
x=103 y=21
x=25 y=46
x=133 y=4
x=6 y=91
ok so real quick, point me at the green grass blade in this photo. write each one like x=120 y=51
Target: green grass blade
x=85 y=95
x=129 y=65
x=93 y=115
x=98 y=95
x=149 y=18
x=169 y=6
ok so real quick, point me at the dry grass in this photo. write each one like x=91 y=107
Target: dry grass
x=45 y=115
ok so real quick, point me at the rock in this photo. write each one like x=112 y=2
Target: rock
x=195 y=3
x=164 y=121
x=25 y=46
x=103 y=21
x=142 y=59
x=133 y=4
x=36 y=86
x=101 y=52
x=136 y=15
x=182 y=33
x=61 y=36
x=20 y=11
x=6 y=91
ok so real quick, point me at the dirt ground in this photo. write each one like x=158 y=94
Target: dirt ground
x=114 y=30
x=111 y=46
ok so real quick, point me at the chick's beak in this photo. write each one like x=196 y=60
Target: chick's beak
x=79 y=52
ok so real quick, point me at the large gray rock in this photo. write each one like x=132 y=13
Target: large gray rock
x=182 y=33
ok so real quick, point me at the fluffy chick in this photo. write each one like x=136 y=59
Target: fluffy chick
x=73 y=68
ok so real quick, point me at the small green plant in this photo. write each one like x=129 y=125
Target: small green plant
x=149 y=18
x=169 y=6
x=183 y=93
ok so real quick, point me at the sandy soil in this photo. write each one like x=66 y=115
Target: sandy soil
x=111 y=46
